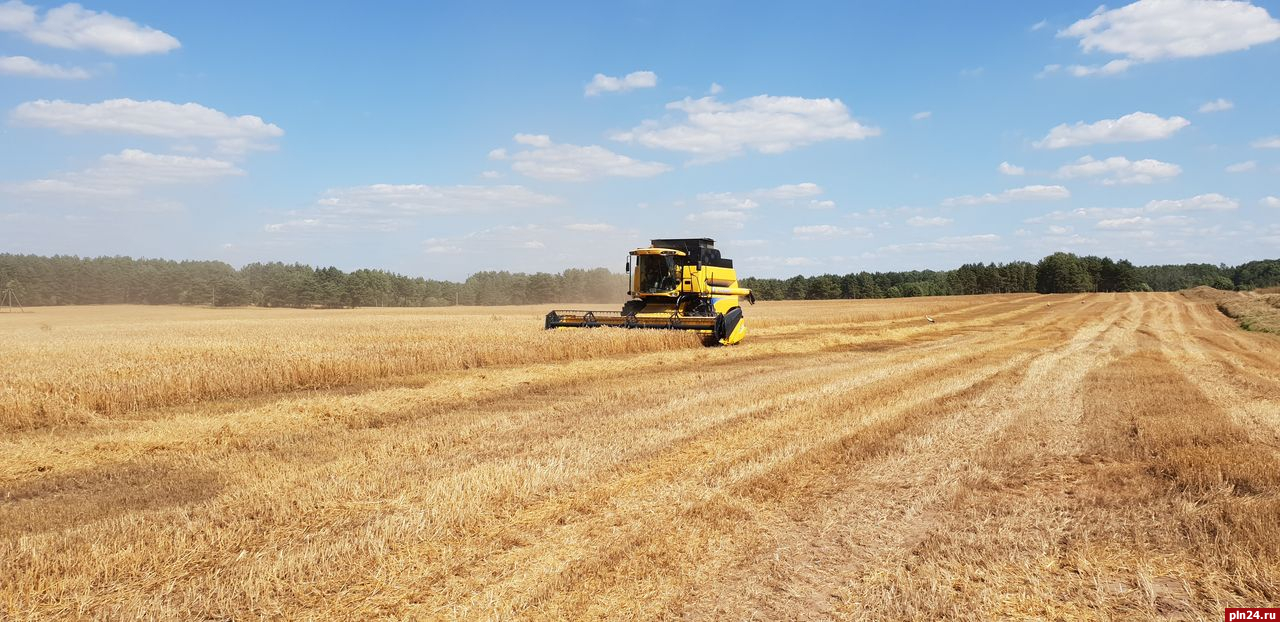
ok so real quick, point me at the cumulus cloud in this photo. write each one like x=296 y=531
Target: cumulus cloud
x=725 y=218
x=565 y=162
x=1270 y=142
x=1133 y=127
x=385 y=207
x=1111 y=68
x=74 y=27
x=1242 y=167
x=714 y=130
x=1119 y=170
x=609 y=84
x=1085 y=213
x=150 y=118
x=1217 y=105
x=765 y=262
x=826 y=232
x=787 y=194
x=920 y=116
x=1270 y=202
x=1131 y=222
x=730 y=200
x=124 y=175
x=590 y=227
x=32 y=68
x=1013 y=195
x=1009 y=169
x=921 y=221
x=983 y=241
x=1212 y=202
x=518 y=238
x=1151 y=30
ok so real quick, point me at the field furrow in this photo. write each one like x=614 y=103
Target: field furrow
x=1084 y=456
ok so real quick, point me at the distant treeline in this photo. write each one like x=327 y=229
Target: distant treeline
x=68 y=280
x=1055 y=274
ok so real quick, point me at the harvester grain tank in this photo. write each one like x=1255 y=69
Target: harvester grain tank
x=675 y=284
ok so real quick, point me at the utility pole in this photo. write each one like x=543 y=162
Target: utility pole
x=9 y=299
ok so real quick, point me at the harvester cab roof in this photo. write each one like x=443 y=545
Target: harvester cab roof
x=697 y=250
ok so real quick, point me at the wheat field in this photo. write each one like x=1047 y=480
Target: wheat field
x=1100 y=456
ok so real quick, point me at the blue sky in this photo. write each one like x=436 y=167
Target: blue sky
x=438 y=140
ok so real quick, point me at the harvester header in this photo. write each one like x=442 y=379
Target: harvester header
x=675 y=284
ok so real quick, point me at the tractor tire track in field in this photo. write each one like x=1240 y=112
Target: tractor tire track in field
x=856 y=468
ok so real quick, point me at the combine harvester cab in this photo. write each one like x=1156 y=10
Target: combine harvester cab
x=676 y=284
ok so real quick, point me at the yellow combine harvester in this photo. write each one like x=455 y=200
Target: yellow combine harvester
x=678 y=284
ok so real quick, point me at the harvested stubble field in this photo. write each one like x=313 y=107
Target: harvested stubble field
x=1091 y=456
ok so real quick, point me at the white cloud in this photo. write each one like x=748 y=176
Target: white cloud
x=1040 y=24
x=1203 y=202
x=533 y=140
x=1119 y=170
x=490 y=174
x=826 y=232
x=1270 y=142
x=715 y=89
x=714 y=130
x=1009 y=169
x=921 y=221
x=1025 y=193
x=32 y=68
x=595 y=227
x=1086 y=213
x=1132 y=222
x=1060 y=229
x=565 y=162
x=790 y=191
x=731 y=200
x=125 y=181
x=16 y=16
x=769 y=261
x=920 y=116
x=980 y=242
x=1111 y=68
x=1270 y=202
x=1133 y=127
x=609 y=84
x=127 y=172
x=150 y=118
x=74 y=27
x=730 y=219
x=786 y=193
x=1150 y=30
x=1242 y=167
x=386 y=207
x=1217 y=105
x=433 y=246
x=516 y=238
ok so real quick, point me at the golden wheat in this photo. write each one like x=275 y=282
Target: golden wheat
x=1087 y=456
